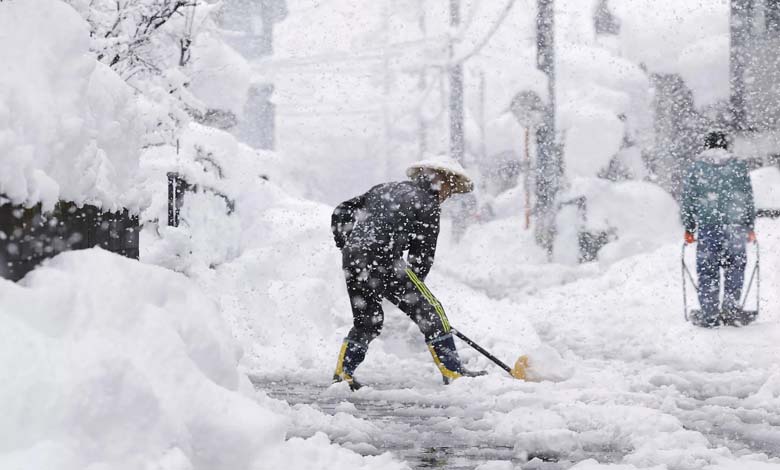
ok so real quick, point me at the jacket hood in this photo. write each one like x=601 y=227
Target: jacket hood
x=716 y=155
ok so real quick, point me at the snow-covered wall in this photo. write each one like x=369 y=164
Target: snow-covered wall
x=70 y=128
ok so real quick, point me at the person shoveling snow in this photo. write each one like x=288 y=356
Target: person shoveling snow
x=373 y=231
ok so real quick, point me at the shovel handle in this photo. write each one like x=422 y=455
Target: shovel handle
x=481 y=350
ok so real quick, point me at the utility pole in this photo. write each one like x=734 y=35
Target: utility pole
x=482 y=134
x=456 y=91
x=386 y=85
x=740 y=23
x=548 y=163
x=422 y=84
x=526 y=176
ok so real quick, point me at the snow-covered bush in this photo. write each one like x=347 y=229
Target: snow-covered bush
x=70 y=128
x=637 y=217
x=132 y=36
x=229 y=181
x=171 y=53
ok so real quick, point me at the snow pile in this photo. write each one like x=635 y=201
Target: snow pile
x=501 y=254
x=220 y=76
x=687 y=38
x=638 y=216
x=602 y=96
x=635 y=217
x=69 y=126
x=228 y=179
x=766 y=187
x=113 y=364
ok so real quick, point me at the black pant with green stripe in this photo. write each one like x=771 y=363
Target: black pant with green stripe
x=368 y=282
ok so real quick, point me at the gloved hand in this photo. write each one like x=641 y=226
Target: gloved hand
x=689 y=237
x=751 y=236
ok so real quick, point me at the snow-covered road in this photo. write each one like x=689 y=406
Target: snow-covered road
x=418 y=427
x=624 y=380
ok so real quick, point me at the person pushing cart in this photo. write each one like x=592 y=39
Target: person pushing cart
x=718 y=212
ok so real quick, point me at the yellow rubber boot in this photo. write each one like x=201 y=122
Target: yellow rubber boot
x=350 y=356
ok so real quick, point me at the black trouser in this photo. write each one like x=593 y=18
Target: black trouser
x=368 y=282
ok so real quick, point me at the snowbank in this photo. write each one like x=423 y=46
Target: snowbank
x=115 y=363
x=232 y=180
x=69 y=126
x=602 y=97
x=640 y=216
x=766 y=187
x=687 y=38
x=704 y=65
x=498 y=254
x=637 y=217
x=109 y=363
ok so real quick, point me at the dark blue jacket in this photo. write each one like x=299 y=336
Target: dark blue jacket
x=388 y=220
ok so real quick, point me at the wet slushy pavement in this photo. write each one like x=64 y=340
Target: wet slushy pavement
x=420 y=434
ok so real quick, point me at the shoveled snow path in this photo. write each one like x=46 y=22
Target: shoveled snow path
x=429 y=426
x=628 y=382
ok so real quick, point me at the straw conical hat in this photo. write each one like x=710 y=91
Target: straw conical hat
x=446 y=165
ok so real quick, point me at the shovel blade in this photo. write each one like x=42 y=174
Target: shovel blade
x=519 y=371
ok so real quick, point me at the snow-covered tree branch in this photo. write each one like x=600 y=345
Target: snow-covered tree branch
x=131 y=36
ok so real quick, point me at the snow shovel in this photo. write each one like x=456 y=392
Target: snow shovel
x=518 y=371
x=747 y=316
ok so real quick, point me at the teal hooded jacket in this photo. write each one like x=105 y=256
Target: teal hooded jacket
x=717 y=191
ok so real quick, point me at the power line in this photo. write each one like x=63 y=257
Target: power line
x=497 y=24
